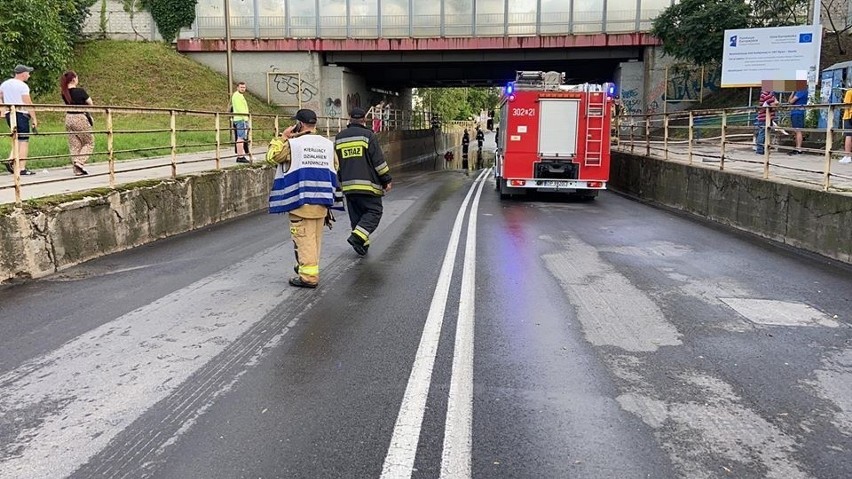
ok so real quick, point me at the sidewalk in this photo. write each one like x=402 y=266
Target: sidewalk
x=61 y=180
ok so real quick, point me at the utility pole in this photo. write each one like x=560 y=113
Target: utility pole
x=813 y=75
x=228 y=64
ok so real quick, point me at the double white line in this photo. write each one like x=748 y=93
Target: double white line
x=456 y=456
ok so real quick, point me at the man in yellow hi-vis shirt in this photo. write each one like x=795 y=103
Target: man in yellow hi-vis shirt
x=847 y=125
x=239 y=106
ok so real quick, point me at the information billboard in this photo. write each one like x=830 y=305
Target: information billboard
x=752 y=55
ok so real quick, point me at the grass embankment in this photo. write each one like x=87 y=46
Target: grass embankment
x=146 y=75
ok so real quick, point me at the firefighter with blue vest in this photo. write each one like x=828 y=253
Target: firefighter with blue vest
x=304 y=187
x=364 y=176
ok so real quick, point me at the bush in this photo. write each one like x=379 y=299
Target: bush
x=41 y=35
x=32 y=33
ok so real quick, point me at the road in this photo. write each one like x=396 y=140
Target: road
x=479 y=338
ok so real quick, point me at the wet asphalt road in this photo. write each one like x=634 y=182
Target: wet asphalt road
x=603 y=339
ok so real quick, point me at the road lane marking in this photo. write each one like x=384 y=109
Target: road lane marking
x=456 y=456
x=399 y=462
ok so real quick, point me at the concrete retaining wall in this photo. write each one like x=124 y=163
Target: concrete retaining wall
x=805 y=218
x=36 y=241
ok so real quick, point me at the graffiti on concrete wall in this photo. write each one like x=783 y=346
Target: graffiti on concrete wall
x=333 y=107
x=292 y=85
x=353 y=100
x=690 y=84
x=686 y=84
x=631 y=101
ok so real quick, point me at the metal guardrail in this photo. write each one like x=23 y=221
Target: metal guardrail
x=176 y=132
x=728 y=137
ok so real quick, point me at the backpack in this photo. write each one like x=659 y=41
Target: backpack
x=274 y=154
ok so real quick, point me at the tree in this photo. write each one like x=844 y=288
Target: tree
x=693 y=30
x=839 y=16
x=779 y=13
x=458 y=103
x=33 y=33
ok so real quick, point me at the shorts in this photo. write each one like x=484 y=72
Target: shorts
x=847 y=125
x=797 y=119
x=23 y=124
x=241 y=127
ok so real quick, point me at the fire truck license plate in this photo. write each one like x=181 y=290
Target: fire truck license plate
x=558 y=184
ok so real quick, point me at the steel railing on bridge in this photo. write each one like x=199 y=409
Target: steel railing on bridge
x=725 y=139
x=430 y=21
x=182 y=141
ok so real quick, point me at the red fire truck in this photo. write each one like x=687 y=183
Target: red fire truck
x=553 y=136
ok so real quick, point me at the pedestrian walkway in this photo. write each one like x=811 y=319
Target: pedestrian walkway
x=61 y=180
x=806 y=169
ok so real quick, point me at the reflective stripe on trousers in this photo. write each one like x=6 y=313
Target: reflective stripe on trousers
x=307 y=242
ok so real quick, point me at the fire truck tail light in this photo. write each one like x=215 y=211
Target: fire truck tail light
x=518 y=182
x=595 y=184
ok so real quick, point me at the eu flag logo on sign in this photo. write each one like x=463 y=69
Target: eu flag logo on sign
x=806 y=37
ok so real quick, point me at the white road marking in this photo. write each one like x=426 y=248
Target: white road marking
x=75 y=399
x=456 y=456
x=399 y=462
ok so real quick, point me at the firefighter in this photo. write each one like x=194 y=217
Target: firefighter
x=304 y=186
x=364 y=176
x=465 y=148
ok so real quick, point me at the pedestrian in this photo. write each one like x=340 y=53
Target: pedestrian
x=480 y=137
x=386 y=116
x=364 y=176
x=465 y=149
x=78 y=124
x=797 y=117
x=377 y=116
x=15 y=91
x=304 y=186
x=239 y=106
x=764 y=114
x=465 y=141
x=847 y=127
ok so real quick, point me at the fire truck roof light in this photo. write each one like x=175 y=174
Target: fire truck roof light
x=510 y=88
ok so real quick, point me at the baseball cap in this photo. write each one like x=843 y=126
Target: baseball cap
x=22 y=69
x=306 y=116
x=357 y=113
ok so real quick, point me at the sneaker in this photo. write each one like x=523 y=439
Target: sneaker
x=794 y=152
x=242 y=159
x=846 y=159
x=357 y=245
x=299 y=283
x=27 y=172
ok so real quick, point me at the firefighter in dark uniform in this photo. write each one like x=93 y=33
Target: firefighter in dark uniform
x=465 y=148
x=364 y=176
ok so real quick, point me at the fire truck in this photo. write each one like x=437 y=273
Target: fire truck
x=553 y=136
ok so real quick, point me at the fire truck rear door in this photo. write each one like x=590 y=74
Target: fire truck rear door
x=557 y=129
